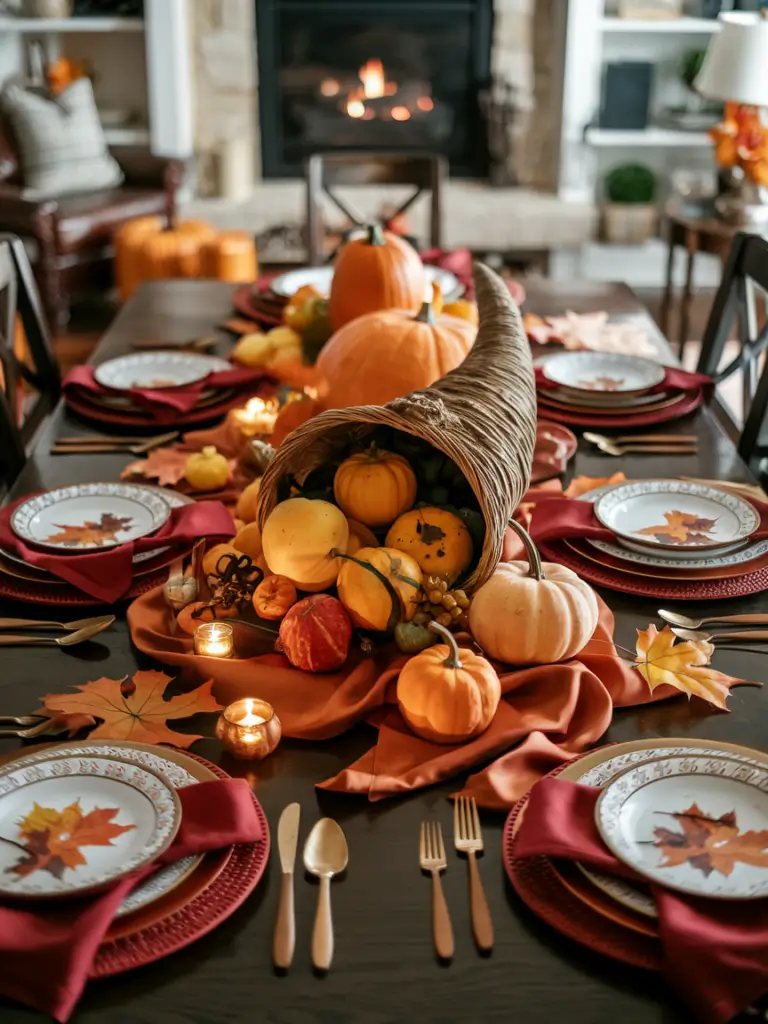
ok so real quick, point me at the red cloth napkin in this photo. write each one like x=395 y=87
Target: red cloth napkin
x=47 y=948
x=715 y=951
x=163 y=403
x=675 y=379
x=107 y=575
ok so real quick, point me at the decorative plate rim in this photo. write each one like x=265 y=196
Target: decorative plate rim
x=210 y=364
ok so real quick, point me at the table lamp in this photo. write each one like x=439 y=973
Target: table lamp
x=735 y=70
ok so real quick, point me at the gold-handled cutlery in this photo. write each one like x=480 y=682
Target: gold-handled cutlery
x=325 y=855
x=109 y=445
x=432 y=859
x=468 y=838
x=284 y=940
x=683 y=448
x=195 y=345
x=701 y=634
x=676 y=619
x=590 y=435
x=63 y=641
x=97 y=620
x=22 y=719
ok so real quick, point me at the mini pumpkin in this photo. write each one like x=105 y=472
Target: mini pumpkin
x=359 y=537
x=315 y=634
x=248 y=540
x=207 y=470
x=375 y=486
x=301 y=539
x=534 y=612
x=448 y=694
x=377 y=271
x=273 y=597
x=436 y=538
x=370 y=602
x=248 y=501
x=187 y=623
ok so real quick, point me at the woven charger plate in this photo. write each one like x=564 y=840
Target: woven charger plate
x=615 y=579
x=540 y=888
x=42 y=593
x=628 y=419
x=114 y=417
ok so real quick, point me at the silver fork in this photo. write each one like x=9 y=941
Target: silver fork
x=468 y=838
x=432 y=858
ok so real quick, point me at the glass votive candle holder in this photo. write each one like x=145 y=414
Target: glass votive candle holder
x=215 y=640
x=249 y=729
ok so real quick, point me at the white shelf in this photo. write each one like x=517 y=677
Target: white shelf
x=44 y=26
x=127 y=136
x=682 y=26
x=646 y=137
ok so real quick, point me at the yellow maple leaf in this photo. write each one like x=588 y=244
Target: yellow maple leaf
x=582 y=484
x=684 y=665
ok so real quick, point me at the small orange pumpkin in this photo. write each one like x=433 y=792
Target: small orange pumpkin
x=448 y=694
x=359 y=537
x=438 y=540
x=188 y=624
x=378 y=271
x=374 y=486
x=273 y=597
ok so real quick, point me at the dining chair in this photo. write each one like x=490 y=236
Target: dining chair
x=29 y=376
x=325 y=172
x=745 y=273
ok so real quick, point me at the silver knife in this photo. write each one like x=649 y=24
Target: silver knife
x=285 y=926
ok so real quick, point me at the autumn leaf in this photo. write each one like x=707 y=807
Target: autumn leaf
x=134 y=711
x=52 y=839
x=727 y=846
x=710 y=844
x=90 y=534
x=602 y=383
x=166 y=465
x=662 y=662
x=583 y=484
x=681 y=527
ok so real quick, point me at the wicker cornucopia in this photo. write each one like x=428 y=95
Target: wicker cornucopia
x=482 y=415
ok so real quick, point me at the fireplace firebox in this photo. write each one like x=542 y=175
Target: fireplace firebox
x=373 y=75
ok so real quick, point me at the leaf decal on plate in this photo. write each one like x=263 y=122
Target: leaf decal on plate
x=681 y=528
x=710 y=844
x=90 y=534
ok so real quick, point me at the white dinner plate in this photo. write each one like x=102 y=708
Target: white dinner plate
x=593 y=400
x=676 y=514
x=696 y=824
x=75 y=825
x=157 y=370
x=320 y=277
x=169 y=875
x=600 y=373
x=90 y=517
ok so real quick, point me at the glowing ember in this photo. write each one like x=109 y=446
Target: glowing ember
x=401 y=113
x=371 y=74
x=330 y=87
x=355 y=108
x=424 y=103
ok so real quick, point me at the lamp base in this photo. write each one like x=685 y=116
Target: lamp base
x=745 y=206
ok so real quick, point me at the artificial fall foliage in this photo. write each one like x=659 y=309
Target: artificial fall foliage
x=684 y=665
x=52 y=840
x=134 y=709
x=583 y=484
x=710 y=844
x=166 y=465
x=90 y=533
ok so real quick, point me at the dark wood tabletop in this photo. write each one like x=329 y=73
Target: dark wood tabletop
x=384 y=968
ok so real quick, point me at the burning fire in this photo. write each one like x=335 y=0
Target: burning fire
x=365 y=98
x=371 y=74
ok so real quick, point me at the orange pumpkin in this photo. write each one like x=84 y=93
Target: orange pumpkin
x=388 y=354
x=374 y=486
x=273 y=597
x=377 y=271
x=230 y=256
x=464 y=309
x=438 y=540
x=188 y=624
x=128 y=242
x=291 y=416
x=359 y=537
x=448 y=694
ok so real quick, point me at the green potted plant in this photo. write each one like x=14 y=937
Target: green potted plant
x=630 y=214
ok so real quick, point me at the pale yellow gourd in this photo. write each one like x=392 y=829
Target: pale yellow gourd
x=207 y=470
x=300 y=538
x=533 y=613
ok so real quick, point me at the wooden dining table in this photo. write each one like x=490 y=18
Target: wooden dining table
x=384 y=968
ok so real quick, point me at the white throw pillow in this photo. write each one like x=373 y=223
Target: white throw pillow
x=61 y=142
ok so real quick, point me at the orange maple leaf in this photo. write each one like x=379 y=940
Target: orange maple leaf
x=727 y=845
x=89 y=533
x=680 y=527
x=684 y=665
x=710 y=844
x=135 y=711
x=582 y=484
x=166 y=465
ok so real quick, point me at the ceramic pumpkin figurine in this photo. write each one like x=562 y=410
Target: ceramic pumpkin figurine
x=448 y=694
x=207 y=470
x=365 y=594
x=375 y=486
x=534 y=612
x=315 y=634
x=301 y=540
x=377 y=271
x=388 y=354
x=436 y=538
x=273 y=597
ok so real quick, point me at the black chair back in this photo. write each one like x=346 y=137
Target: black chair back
x=29 y=377
x=327 y=171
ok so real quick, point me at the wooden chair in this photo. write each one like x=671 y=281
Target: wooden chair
x=744 y=274
x=325 y=172
x=29 y=377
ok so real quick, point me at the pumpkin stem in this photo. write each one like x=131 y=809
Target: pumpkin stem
x=394 y=615
x=535 y=570
x=375 y=235
x=453 y=660
x=426 y=314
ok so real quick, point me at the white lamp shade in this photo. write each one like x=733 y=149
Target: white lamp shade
x=736 y=64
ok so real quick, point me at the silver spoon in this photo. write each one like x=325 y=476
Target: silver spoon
x=325 y=855
x=609 y=448
x=45 y=728
x=107 y=620
x=64 y=641
x=589 y=435
x=676 y=619
x=701 y=634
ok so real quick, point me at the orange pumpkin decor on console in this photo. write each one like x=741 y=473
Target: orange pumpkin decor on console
x=377 y=271
x=315 y=634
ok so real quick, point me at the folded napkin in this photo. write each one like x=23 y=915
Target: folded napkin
x=715 y=951
x=675 y=379
x=163 y=403
x=107 y=575
x=47 y=949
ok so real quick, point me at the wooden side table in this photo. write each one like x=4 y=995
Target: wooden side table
x=695 y=235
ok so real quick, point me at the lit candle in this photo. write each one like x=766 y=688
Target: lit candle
x=249 y=729
x=215 y=640
x=257 y=416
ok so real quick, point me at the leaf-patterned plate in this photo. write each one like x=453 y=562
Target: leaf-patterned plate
x=89 y=517
x=696 y=824
x=72 y=825
x=157 y=370
x=603 y=373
